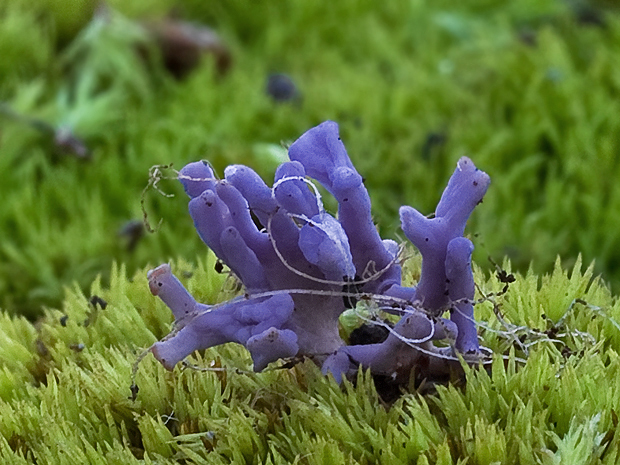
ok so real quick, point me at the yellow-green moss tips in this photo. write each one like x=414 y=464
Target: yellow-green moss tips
x=560 y=406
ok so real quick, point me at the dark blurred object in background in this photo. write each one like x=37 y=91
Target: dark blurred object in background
x=281 y=88
x=62 y=139
x=69 y=144
x=132 y=231
x=183 y=44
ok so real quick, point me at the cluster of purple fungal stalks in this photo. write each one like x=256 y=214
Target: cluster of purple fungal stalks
x=302 y=267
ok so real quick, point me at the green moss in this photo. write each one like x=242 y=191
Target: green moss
x=547 y=396
x=522 y=87
x=23 y=55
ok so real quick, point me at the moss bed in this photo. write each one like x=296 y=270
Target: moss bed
x=528 y=89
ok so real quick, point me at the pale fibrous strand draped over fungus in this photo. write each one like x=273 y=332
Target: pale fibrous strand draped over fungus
x=302 y=267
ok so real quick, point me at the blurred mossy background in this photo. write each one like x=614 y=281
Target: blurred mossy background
x=529 y=89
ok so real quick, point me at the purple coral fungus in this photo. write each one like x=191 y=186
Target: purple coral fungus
x=304 y=267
